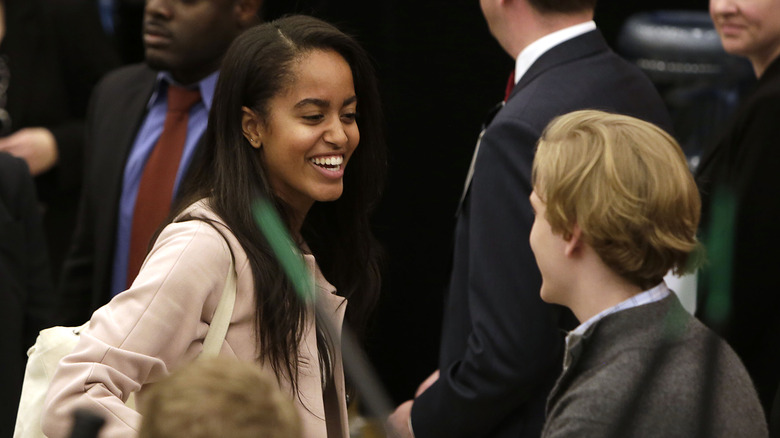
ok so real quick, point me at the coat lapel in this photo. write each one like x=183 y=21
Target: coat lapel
x=333 y=307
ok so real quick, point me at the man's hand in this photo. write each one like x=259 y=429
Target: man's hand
x=398 y=421
x=36 y=146
x=427 y=383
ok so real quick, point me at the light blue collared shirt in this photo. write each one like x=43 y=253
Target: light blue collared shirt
x=147 y=137
x=657 y=293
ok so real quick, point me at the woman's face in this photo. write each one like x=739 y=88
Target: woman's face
x=311 y=131
x=749 y=28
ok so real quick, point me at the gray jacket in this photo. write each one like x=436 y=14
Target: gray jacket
x=653 y=371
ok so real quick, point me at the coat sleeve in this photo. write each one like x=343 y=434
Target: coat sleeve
x=144 y=332
x=75 y=285
x=23 y=250
x=514 y=347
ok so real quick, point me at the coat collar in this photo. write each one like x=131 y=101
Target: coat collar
x=579 y=47
x=651 y=324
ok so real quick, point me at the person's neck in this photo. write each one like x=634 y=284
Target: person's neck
x=762 y=63
x=296 y=215
x=189 y=78
x=598 y=289
x=540 y=25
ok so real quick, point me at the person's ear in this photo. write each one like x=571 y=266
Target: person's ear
x=574 y=242
x=248 y=12
x=251 y=127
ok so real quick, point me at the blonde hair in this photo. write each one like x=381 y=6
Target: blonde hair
x=626 y=185
x=219 y=397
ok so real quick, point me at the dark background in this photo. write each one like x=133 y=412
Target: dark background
x=440 y=71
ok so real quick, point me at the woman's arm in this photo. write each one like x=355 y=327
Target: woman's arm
x=143 y=333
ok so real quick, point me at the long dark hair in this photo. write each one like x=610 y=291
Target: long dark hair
x=232 y=175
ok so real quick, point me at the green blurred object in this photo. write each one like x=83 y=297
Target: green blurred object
x=283 y=247
x=356 y=363
x=720 y=250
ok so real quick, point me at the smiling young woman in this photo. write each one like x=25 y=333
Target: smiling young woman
x=284 y=127
x=310 y=133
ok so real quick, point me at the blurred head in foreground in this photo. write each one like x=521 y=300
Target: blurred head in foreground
x=219 y=397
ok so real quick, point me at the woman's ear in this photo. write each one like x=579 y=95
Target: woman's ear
x=250 y=125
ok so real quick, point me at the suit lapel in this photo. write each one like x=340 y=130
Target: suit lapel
x=137 y=99
x=113 y=143
x=132 y=101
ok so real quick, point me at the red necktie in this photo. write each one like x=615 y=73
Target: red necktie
x=510 y=84
x=155 y=190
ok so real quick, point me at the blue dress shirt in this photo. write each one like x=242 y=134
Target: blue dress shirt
x=150 y=132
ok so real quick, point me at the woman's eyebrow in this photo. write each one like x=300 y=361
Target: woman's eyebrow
x=313 y=101
x=323 y=103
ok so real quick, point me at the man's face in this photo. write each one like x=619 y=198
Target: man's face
x=189 y=37
x=492 y=12
x=549 y=252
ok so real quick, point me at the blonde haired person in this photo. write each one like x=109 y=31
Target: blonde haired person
x=219 y=397
x=616 y=208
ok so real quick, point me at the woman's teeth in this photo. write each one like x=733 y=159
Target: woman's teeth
x=332 y=163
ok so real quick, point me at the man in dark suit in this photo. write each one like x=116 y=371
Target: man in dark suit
x=25 y=287
x=184 y=44
x=501 y=345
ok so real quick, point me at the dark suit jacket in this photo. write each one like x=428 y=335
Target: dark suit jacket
x=25 y=288
x=56 y=52
x=116 y=112
x=501 y=344
x=743 y=167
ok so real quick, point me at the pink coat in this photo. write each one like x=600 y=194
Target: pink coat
x=159 y=324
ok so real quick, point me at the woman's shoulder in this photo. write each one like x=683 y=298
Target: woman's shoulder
x=200 y=209
x=199 y=232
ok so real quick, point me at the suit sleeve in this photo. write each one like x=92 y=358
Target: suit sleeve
x=17 y=194
x=41 y=300
x=144 y=332
x=514 y=347
x=75 y=284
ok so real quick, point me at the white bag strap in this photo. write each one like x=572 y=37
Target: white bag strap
x=219 y=324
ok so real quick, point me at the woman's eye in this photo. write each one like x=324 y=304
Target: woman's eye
x=313 y=118
x=349 y=117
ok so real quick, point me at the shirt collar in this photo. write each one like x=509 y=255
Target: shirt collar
x=206 y=86
x=649 y=296
x=533 y=51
